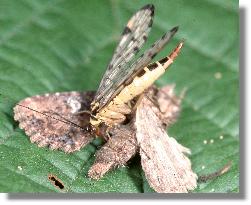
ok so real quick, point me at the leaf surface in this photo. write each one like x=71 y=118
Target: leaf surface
x=53 y=46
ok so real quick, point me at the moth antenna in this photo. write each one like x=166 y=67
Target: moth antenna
x=66 y=121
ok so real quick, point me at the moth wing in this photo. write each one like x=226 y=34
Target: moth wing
x=55 y=127
x=118 y=77
x=118 y=150
x=133 y=37
x=163 y=159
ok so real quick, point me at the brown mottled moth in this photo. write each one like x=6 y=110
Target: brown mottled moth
x=125 y=110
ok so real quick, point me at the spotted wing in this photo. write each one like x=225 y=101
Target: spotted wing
x=118 y=77
x=133 y=37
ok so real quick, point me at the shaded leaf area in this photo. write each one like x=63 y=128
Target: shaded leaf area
x=52 y=46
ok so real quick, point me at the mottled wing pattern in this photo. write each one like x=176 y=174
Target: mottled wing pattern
x=133 y=37
x=51 y=119
x=118 y=78
x=163 y=159
x=118 y=150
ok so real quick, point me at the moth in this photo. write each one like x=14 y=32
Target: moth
x=126 y=78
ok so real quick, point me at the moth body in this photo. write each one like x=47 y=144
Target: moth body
x=115 y=112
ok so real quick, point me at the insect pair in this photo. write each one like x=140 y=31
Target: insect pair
x=68 y=121
x=127 y=76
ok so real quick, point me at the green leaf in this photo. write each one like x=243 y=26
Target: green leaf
x=60 y=45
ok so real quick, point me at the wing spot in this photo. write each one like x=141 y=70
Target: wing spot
x=153 y=55
x=164 y=36
x=126 y=30
x=136 y=49
x=148 y=7
x=175 y=29
x=110 y=67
